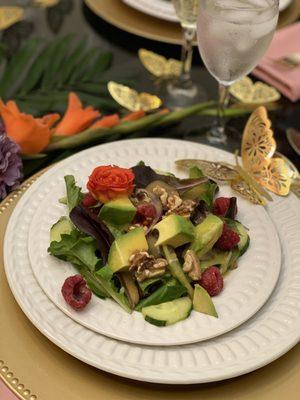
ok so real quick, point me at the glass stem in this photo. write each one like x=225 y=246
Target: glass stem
x=223 y=103
x=187 y=53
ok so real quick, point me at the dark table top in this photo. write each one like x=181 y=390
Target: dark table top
x=72 y=16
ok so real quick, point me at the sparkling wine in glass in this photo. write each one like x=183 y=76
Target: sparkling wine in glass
x=233 y=35
x=183 y=92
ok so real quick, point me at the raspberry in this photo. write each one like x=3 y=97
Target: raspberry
x=88 y=200
x=225 y=207
x=145 y=213
x=212 y=281
x=75 y=292
x=228 y=239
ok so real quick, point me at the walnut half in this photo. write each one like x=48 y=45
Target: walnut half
x=145 y=266
x=174 y=204
x=192 y=265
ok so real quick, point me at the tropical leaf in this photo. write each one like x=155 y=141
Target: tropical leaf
x=87 y=58
x=102 y=63
x=57 y=57
x=36 y=71
x=71 y=64
x=40 y=75
x=16 y=65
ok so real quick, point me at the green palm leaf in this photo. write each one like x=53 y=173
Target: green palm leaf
x=41 y=75
x=16 y=66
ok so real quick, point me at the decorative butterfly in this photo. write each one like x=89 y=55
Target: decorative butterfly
x=260 y=170
x=131 y=99
x=9 y=16
x=46 y=3
x=248 y=92
x=158 y=65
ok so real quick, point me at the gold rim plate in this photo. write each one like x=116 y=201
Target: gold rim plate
x=124 y=17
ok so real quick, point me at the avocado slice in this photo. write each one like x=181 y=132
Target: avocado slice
x=206 y=234
x=202 y=302
x=174 y=231
x=62 y=227
x=196 y=192
x=119 y=211
x=124 y=246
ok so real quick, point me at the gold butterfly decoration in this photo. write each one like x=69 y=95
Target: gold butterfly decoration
x=248 y=92
x=46 y=3
x=131 y=99
x=10 y=15
x=295 y=186
x=260 y=170
x=158 y=65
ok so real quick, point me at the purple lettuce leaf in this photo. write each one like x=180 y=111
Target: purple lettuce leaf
x=88 y=223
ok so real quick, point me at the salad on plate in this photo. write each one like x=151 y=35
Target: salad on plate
x=148 y=240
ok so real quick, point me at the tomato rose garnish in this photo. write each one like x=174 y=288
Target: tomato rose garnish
x=109 y=182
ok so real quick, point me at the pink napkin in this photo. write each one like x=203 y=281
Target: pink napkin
x=5 y=393
x=286 y=80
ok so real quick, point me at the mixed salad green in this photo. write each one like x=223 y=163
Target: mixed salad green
x=150 y=241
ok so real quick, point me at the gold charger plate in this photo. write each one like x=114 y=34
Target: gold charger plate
x=36 y=369
x=124 y=17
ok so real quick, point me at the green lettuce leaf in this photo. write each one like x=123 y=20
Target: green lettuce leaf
x=170 y=291
x=210 y=187
x=105 y=276
x=77 y=249
x=74 y=194
x=195 y=172
x=80 y=250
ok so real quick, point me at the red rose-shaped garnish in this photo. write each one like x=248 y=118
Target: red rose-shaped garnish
x=108 y=182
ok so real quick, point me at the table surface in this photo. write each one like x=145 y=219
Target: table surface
x=79 y=19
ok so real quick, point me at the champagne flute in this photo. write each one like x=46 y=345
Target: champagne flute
x=183 y=92
x=233 y=35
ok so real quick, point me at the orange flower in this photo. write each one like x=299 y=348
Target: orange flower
x=108 y=182
x=134 y=116
x=76 y=118
x=32 y=134
x=108 y=121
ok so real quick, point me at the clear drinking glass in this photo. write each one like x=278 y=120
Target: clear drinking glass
x=233 y=35
x=183 y=92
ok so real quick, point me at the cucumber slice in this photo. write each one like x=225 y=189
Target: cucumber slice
x=244 y=238
x=62 y=227
x=235 y=254
x=168 y=313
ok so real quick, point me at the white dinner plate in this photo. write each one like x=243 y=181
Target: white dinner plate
x=164 y=9
x=246 y=288
x=265 y=337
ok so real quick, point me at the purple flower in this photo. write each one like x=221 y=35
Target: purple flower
x=10 y=164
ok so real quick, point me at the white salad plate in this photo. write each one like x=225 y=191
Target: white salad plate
x=246 y=289
x=266 y=336
x=262 y=339
x=164 y=9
